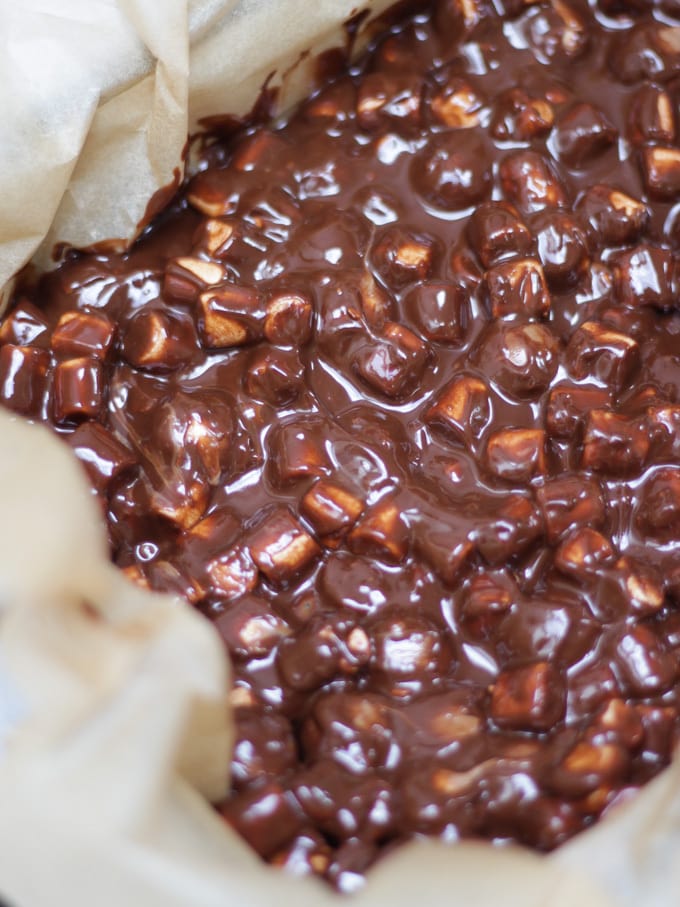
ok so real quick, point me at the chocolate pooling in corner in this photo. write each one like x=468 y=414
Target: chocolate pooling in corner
x=390 y=393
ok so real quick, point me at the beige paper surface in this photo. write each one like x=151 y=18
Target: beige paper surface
x=114 y=726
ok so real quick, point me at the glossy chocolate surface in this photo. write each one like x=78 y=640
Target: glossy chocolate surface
x=391 y=393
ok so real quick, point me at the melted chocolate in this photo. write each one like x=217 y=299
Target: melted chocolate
x=390 y=393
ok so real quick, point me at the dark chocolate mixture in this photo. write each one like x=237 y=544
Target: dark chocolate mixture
x=392 y=394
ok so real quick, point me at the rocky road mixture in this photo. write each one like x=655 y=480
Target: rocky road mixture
x=391 y=393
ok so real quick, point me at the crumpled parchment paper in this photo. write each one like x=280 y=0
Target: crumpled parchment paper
x=114 y=723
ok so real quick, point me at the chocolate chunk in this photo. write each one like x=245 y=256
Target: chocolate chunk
x=661 y=170
x=514 y=526
x=556 y=32
x=570 y=502
x=296 y=451
x=445 y=547
x=524 y=357
x=613 y=443
x=249 y=629
x=520 y=117
x=530 y=183
x=369 y=811
x=517 y=287
x=232 y=574
x=463 y=409
x=280 y=546
x=607 y=355
x=583 y=552
x=613 y=217
x=355 y=730
x=322 y=649
x=403 y=256
x=562 y=247
x=648 y=50
x=25 y=325
x=82 y=334
x=640 y=586
x=264 y=150
x=78 y=390
x=264 y=746
x=516 y=454
x=288 y=319
x=274 y=376
x=452 y=171
x=382 y=532
x=230 y=316
x=568 y=405
x=645 y=664
x=589 y=766
x=645 y=275
x=307 y=854
x=266 y=816
x=582 y=133
x=651 y=116
x=330 y=508
x=392 y=363
x=440 y=311
x=410 y=656
x=658 y=513
x=23 y=378
x=489 y=596
x=335 y=103
x=186 y=277
x=388 y=101
x=528 y=698
x=457 y=104
x=158 y=341
x=496 y=231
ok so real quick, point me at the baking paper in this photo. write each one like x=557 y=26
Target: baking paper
x=115 y=730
